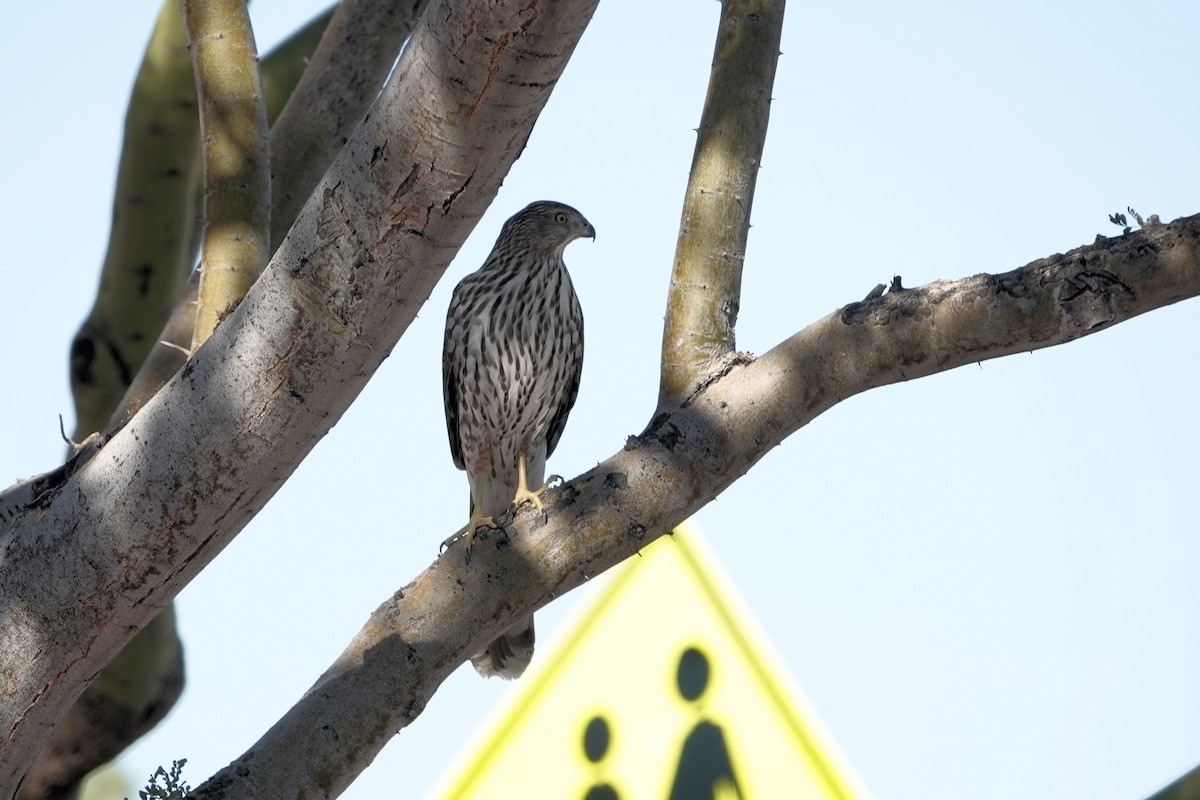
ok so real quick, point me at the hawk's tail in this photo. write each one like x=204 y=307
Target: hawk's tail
x=509 y=655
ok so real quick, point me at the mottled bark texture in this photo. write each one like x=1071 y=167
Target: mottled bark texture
x=141 y=684
x=127 y=699
x=349 y=66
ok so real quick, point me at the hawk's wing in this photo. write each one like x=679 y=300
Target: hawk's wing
x=451 y=353
x=559 y=421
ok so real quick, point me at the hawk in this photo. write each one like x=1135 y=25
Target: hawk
x=511 y=362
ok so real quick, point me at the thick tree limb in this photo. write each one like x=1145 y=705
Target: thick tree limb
x=282 y=72
x=237 y=176
x=706 y=280
x=345 y=74
x=91 y=559
x=127 y=699
x=142 y=683
x=285 y=66
x=144 y=266
x=687 y=456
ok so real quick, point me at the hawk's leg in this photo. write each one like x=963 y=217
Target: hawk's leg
x=467 y=532
x=524 y=494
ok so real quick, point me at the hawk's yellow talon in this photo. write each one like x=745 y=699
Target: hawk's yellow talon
x=467 y=532
x=525 y=495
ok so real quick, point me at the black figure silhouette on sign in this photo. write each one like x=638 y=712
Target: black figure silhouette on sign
x=596 y=737
x=704 y=763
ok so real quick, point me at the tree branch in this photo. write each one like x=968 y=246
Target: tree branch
x=127 y=699
x=345 y=74
x=281 y=71
x=125 y=530
x=141 y=684
x=687 y=456
x=285 y=66
x=144 y=680
x=237 y=177
x=146 y=261
x=706 y=280
x=92 y=558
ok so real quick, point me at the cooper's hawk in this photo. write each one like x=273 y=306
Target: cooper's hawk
x=510 y=374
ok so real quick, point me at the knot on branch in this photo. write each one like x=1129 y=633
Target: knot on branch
x=660 y=429
x=1098 y=282
x=879 y=308
x=36 y=493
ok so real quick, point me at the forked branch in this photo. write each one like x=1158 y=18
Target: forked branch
x=706 y=280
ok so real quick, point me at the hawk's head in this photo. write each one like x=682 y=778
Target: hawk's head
x=546 y=225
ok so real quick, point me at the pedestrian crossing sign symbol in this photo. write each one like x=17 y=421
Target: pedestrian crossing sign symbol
x=663 y=689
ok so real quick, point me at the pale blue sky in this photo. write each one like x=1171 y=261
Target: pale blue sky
x=983 y=580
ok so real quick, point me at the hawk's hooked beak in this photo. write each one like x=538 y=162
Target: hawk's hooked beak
x=589 y=232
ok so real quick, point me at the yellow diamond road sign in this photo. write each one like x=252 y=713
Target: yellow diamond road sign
x=664 y=689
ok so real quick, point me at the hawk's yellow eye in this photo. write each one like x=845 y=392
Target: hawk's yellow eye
x=560 y=218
